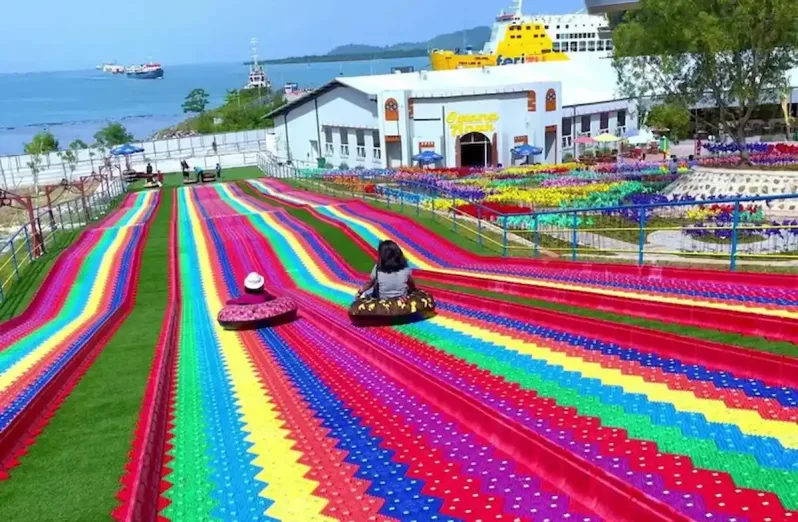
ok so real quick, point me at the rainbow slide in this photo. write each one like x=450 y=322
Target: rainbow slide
x=764 y=305
x=480 y=413
x=87 y=294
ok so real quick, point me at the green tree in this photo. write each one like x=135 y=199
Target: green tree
x=672 y=116
x=112 y=135
x=196 y=101
x=733 y=54
x=78 y=145
x=42 y=143
x=69 y=159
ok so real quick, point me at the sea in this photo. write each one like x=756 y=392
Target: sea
x=76 y=104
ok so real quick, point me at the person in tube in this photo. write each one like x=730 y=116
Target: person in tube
x=254 y=292
x=391 y=277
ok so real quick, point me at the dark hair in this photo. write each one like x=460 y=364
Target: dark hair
x=391 y=258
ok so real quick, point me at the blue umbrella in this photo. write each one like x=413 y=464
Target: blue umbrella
x=427 y=156
x=527 y=150
x=125 y=150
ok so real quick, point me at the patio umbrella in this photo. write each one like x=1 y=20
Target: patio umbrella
x=126 y=150
x=584 y=140
x=526 y=150
x=607 y=138
x=427 y=157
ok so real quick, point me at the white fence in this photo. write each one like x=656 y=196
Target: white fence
x=233 y=149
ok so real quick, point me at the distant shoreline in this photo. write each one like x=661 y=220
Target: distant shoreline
x=356 y=57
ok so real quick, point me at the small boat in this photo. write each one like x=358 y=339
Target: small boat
x=148 y=71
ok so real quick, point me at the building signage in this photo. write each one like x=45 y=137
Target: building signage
x=460 y=124
x=501 y=60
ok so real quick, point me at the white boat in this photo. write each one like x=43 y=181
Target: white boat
x=257 y=74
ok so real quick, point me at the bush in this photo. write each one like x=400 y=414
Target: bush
x=343 y=166
x=567 y=157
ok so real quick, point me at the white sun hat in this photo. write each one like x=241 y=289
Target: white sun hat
x=254 y=281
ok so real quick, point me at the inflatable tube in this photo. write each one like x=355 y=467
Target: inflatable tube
x=262 y=315
x=416 y=305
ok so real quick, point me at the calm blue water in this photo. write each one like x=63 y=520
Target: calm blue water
x=76 y=104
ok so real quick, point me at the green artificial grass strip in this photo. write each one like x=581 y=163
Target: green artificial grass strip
x=72 y=472
x=19 y=294
x=351 y=252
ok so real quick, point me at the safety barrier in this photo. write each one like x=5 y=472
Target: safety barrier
x=720 y=228
x=19 y=250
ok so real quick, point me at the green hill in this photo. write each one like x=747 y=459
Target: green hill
x=475 y=37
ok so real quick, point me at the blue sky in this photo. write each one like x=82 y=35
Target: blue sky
x=44 y=35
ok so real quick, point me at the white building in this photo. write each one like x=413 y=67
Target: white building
x=471 y=117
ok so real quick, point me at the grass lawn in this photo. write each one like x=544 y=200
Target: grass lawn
x=19 y=293
x=175 y=179
x=72 y=472
x=363 y=262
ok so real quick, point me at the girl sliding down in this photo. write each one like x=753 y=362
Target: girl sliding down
x=391 y=276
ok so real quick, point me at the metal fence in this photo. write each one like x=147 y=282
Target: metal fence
x=26 y=245
x=719 y=230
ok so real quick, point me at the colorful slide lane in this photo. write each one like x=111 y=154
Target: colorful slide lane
x=294 y=423
x=752 y=304
x=688 y=449
x=83 y=300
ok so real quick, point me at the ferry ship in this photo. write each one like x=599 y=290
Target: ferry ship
x=148 y=71
x=519 y=38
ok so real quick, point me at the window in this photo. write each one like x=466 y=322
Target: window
x=600 y=45
x=391 y=110
x=582 y=46
x=555 y=47
x=344 y=143
x=621 y=118
x=551 y=100
x=377 y=151
x=360 y=137
x=604 y=121
x=609 y=45
x=531 y=101
x=528 y=28
x=573 y=47
x=591 y=45
x=546 y=27
x=329 y=148
x=585 y=126
x=566 y=126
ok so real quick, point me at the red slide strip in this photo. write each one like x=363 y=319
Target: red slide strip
x=49 y=297
x=142 y=478
x=22 y=432
x=775 y=369
x=609 y=497
x=773 y=328
x=771 y=368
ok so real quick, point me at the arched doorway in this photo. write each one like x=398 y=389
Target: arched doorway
x=475 y=150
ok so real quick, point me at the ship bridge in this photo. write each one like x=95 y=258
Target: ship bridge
x=608 y=6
